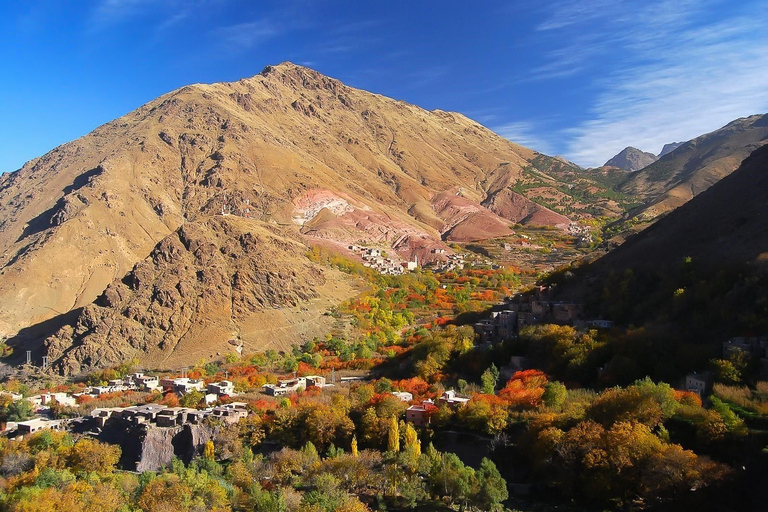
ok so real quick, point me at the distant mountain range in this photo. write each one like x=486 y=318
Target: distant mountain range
x=694 y=166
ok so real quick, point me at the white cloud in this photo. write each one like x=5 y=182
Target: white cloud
x=676 y=73
x=525 y=133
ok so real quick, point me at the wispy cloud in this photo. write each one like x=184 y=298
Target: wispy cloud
x=243 y=36
x=526 y=133
x=678 y=70
x=110 y=12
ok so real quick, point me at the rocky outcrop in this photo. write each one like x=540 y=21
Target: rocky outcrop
x=150 y=448
x=694 y=166
x=223 y=269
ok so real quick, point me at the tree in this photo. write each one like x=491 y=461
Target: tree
x=489 y=379
x=20 y=410
x=452 y=479
x=492 y=488
x=393 y=436
x=192 y=399
x=354 y=446
x=266 y=501
x=208 y=450
x=412 y=440
x=92 y=455
x=554 y=395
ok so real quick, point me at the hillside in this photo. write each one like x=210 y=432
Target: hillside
x=728 y=223
x=700 y=272
x=694 y=166
x=289 y=151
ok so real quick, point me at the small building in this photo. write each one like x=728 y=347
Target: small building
x=101 y=415
x=37 y=424
x=453 y=399
x=285 y=387
x=317 y=381
x=223 y=388
x=567 y=313
x=419 y=415
x=540 y=308
x=171 y=417
x=699 y=383
x=525 y=319
x=182 y=385
x=403 y=396
x=485 y=330
x=600 y=324
x=146 y=382
x=753 y=346
x=230 y=413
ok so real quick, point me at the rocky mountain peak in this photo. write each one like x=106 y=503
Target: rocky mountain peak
x=670 y=147
x=631 y=159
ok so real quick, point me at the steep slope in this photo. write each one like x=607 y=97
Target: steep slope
x=631 y=159
x=695 y=166
x=289 y=149
x=726 y=224
x=695 y=277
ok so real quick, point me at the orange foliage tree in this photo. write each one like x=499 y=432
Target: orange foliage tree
x=524 y=389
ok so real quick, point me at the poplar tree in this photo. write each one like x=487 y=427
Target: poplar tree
x=393 y=439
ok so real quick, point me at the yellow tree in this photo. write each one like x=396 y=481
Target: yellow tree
x=354 y=446
x=412 y=440
x=208 y=451
x=393 y=439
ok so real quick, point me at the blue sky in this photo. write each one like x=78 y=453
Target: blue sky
x=578 y=78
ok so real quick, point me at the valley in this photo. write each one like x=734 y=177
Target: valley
x=285 y=293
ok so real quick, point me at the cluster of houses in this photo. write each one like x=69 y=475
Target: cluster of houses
x=529 y=309
x=419 y=415
x=294 y=385
x=41 y=403
x=755 y=348
x=162 y=416
x=580 y=232
x=374 y=258
x=453 y=261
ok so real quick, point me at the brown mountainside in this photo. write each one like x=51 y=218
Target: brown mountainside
x=286 y=153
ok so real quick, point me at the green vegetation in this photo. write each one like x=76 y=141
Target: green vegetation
x=587 y=426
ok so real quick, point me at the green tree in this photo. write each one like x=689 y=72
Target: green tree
x=555 y=394
x=193 y=398
x=489 y=379
x=492 y=488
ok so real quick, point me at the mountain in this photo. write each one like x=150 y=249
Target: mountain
x=725 y=224
x=631 y=159
x=177 y=231
x=694 y=166
x=670 y=147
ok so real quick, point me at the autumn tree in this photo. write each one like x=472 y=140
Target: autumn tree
x=91 y=455
x=412 y=440
x=393 y=436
